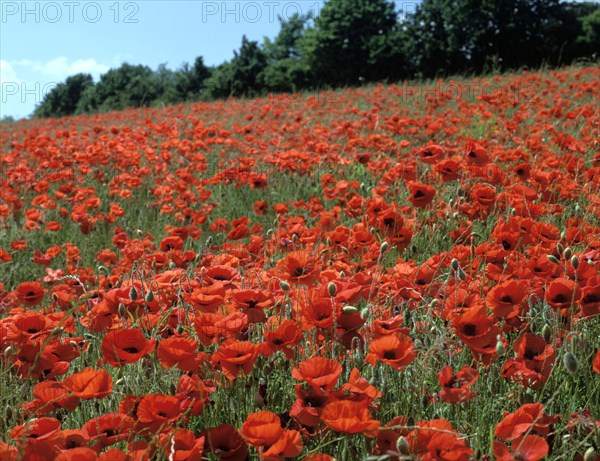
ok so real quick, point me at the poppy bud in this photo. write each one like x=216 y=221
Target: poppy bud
x=462 y=275
x=364 y=312
x=567 y=253
x=344 y=249
x=454 y=263
x=295 y=238
x=133 y=294
x=500 y=349
x=513 y=212
x=179 y=329
x=121 y=310
x=402 y=446
x=331 y=288
x=348 y=310
x=149 y=296
x=172 y=265
x=284 y=286
x=363 y=188
x=342 y=274
x=575 y=262
x=56 y=332
x=553 y=259
x=590 y=454
x=547 y=333
x=372 y=230
x=103 y=269
x=570 y=362
x=8 y=351
x=560 y=248
x=384 y=246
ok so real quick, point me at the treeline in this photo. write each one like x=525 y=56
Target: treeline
x=351 y=42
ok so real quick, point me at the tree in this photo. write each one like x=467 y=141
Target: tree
x=286 y=70
x=126 y=86
x=62 y=100
x=242 y=76
x=353 y=40
x=480 y=35
x=188 y=82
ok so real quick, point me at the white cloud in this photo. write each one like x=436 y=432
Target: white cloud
x=7 y=73
x=60 y=68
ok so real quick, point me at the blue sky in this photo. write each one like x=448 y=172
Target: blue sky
x=43 y=42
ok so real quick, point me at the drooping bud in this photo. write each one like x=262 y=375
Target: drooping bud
x=547 y=333
x=284 y=286
x=384 y=246
x=121 y=310
x=553 y=259
x=364 y=313
x=590 y=454
x=149 y=296
x=133 y=294
x=570 y=362
x=348 y=310
x=560 y=248
x=462 y=275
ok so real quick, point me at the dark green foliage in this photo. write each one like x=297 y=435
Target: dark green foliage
x=353 y=41
x=62 y=100
x=242 y=76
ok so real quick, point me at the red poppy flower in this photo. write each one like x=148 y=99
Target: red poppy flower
x=109 y=428
x=299 y=267
x=126 y=345
x=52 y=394
x=289 y=445
x=506 y=298
x=320 y=373
x=30 y=293
x=528 y=448
x=78 y=454
x=529 y=417
x=596 y=364
x=262 y=428
x=395 y=350
x=431 y=154
x=455 y=387
x=182 y=445
x=349 y=417
x=447 y=447
x=227 y=443
x=421 y=195
x=178 y=351
x=562 y=293
x=89 y=384
x=156 y=412
x=235 y=357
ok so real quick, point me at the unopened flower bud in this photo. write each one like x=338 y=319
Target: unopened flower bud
x=462 y=275
x=560 y=248
x=122 y=311
x=331 y=288
x=570 y=362
x=384 y=246
x=590 y=454
x=500 y=349
x=284 y=286
x=553 y=259
x=402 y=446
x=149 y=296
x=454 y=263
x=133 y=294
x=364 y=313
x=547 y=333
x=348 y=310
x=575 y=262
x=567 y=253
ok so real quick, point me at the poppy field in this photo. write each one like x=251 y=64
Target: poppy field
x=393 y=272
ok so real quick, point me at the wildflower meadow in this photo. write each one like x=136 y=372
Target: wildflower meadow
x=392 y=272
